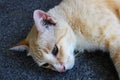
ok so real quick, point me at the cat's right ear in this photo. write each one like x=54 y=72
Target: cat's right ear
x=39 y=16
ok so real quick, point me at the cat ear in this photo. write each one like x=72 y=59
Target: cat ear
x=21 y=46
x=39 y=16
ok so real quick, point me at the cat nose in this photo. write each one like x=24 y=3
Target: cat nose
x=63 y=69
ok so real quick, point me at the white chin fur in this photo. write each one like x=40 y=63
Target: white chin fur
x=70 y=63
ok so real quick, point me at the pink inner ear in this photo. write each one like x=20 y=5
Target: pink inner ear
x=40 y=16
x=47 y=17
x=44 y=16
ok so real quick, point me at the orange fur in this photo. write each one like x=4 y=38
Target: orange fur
x=83 y=24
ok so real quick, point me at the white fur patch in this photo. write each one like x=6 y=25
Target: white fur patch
x=19 y=48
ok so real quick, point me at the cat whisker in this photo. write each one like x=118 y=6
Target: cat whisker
x=78 y=52
x=76 y=55
x=32 y=64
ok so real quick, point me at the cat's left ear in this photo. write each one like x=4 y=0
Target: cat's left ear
x=21 y=46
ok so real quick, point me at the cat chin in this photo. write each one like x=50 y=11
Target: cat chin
x=69 y=65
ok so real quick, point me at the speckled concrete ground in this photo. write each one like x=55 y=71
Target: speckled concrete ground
x=15 y=22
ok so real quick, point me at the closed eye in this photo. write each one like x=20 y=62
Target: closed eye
x=45 y=65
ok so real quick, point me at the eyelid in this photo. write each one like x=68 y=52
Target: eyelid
x=45 y=65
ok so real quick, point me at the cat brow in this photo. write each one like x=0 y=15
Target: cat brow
x=45 y=50
x=61 y=36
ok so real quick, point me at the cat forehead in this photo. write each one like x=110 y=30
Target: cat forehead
x=46 y=43
x=52 y=36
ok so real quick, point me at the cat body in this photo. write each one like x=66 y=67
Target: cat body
x=91 y=21
x=78 y=24
x=96 y=24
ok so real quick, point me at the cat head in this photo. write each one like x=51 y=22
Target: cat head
x=51 y=42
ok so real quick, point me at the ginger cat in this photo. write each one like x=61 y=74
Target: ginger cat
x=82 y=24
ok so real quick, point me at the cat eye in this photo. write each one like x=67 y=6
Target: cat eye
x=45 y=65
x=55 y=50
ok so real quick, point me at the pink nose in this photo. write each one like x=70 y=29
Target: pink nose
x=63 y=69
